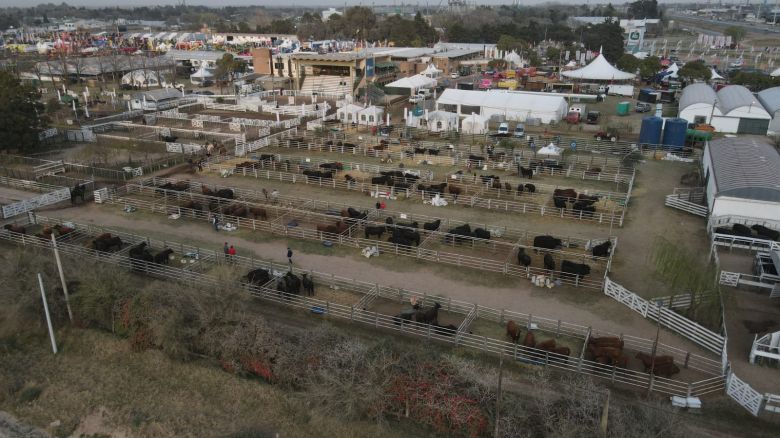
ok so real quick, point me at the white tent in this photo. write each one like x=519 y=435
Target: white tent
x=431 y=71
x=512 y=58
x=512 y=105
x=599 y=70
x=714 y=76
x=550 y=149
x=474 y=124
x=413 y=83
x=143 y=78
x=439 y=121
x=201 y=76
x=672 y=71
x=348 y=113
x=371 y=116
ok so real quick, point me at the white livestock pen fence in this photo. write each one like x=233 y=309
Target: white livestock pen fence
x=531 y=356
x=51 y=195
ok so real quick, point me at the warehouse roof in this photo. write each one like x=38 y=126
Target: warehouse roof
x=770 y=98
x=735 y=96
x=745 y=167
x=697 y=93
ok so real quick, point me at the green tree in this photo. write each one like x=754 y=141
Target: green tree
x=642 y=9
x=628 y=63
x=736 y=33
x=282 y=26
x=553 y=54
x=608 y=36
x=20 y=114
x=506 y=42
x=243 y=27
x=695 y=70
x=227 y=67
x=649 y=66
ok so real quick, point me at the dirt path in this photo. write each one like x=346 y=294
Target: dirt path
x=585 y=307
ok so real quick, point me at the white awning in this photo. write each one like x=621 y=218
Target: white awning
x=413 y=82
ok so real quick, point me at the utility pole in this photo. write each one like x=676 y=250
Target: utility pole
x=62 y=276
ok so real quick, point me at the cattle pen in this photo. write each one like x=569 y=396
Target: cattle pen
x=702 y=375
x=302 y=218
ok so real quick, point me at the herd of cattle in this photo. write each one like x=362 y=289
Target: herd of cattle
x=756 y=231
x=288 y=283
x=607 y=350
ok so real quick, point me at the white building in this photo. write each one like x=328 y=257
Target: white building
x=742 y=178
x=511 y=105
x=348 y=113
x=155 y=100
x=474 y=124
x=442 y=121
x=371 y=116
x=733 y=109
x=770 y=99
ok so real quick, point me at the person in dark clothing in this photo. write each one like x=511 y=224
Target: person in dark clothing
x=289 y=255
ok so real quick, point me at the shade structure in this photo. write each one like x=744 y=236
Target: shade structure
x=413 y=83
x=348 y=113
x=671 y=72
x=143 y=78
x=513 y=58
x=474 y=124
x=201 y=75
x=431 y=71
x=550 y=149
x=439 y=121
x=510 y=105
x=599 y=70
x=775 y=73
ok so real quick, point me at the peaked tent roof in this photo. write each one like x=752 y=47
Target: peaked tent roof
x=770 y=98
x=202 y=73
x=599 y=69
x=714 y=75
x=416 y=81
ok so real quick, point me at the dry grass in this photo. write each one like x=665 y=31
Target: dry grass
x=142 y=398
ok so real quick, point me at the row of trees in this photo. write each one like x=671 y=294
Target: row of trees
x=21 y=114
x=333 y=372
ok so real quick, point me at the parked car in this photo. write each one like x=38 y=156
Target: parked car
x=416 y=98
x=503 y=128
x=454 y=75
x=519 y=130
x=643 y=107
x=593 y=117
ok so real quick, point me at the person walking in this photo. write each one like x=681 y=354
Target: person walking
x=215 y=221
x=232 y=254
x=226 y=248
x=289 y=255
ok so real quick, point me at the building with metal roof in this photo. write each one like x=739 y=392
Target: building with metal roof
x=742 y=178
x=519 y=106
x=733 y=109
x=770 y=99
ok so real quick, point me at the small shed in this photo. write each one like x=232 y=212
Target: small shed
x=410 y=86
x=348 y=113
x=155 y=100
x=441 y=121
x=371 y=116
x=742 y=178
x=474 y=124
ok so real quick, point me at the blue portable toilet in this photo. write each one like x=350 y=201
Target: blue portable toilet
x=674 y=133
x=650 y=133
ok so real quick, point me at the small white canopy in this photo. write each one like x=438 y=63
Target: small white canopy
x=431 y=71
x=414 y=83
x=348 y=113
x=714 y=75
x=550 y=149
x=143 y=78
x=571 y=64
x=599 y=70
x=439 y=121
x=474 y=124
x=202 y=73
x=371 y=116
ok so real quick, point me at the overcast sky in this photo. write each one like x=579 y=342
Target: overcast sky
x=288 y=3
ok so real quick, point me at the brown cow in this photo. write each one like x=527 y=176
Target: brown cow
x=258 y=212
x=647 y=360
x=666 y=369
x=513 y=331
x=611 y=352
x=564 y=351
x=338 y=228
x=529 y=340
x=606 y=341
x=548 y=345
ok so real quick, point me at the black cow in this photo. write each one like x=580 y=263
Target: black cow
x=530 y=188
x=381 y=180
x=576 y=269
x=547 y=242
x=767 y=233
x=432 y=226
x=308 y=284
x=410 y=235
x=523 y=258
x=374 y=231
x=163 y=256
x=602 y=249
x=559 y=202
x=481 y=233
x=290 y=284
x=741 y=230
x=526 y=172
x=476 y=158
x=258 y=276
x=458 y=234
x=549 y=262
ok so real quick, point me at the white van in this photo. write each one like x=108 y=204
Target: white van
x=503 y=128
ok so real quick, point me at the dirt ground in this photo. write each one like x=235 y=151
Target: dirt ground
x=10 y=195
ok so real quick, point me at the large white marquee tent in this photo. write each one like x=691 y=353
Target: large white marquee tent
x=599 y=70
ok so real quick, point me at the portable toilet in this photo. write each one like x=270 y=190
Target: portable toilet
x=623 y=108
x=675 y=131
x=650 y=133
